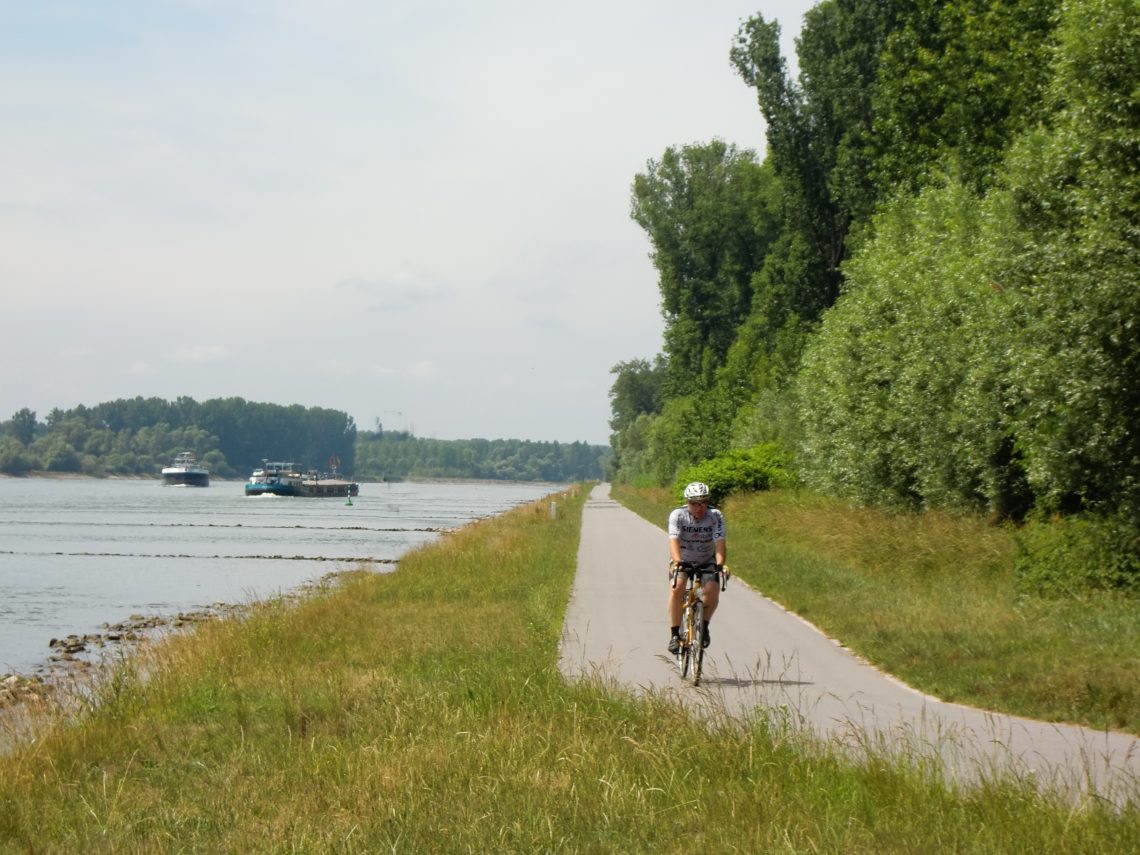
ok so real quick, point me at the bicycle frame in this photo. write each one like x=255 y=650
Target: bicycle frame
x=691 y=653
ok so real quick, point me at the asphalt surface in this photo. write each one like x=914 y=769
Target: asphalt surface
x=766 y=661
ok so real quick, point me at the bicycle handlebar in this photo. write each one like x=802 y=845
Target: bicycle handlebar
x=691 y=569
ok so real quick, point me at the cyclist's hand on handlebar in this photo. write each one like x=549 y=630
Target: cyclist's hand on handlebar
x=723 y=569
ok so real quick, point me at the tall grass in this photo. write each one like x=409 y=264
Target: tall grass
x=423 y=711
x=933 y=599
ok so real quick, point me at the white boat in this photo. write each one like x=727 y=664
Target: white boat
x=185 y=471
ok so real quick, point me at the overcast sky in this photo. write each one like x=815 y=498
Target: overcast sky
x=414 y=212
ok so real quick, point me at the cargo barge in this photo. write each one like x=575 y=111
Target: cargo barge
x=281 y=478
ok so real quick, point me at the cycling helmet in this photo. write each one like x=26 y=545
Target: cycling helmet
x=697 y=492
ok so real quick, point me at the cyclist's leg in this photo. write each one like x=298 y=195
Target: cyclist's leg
x=712 y=596
x=676 y=600
x=711 y=591
x=676 y=605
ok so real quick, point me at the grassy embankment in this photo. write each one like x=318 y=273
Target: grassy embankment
x=423 y=711
x=931 y=598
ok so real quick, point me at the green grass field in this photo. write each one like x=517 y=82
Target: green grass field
x=423 y=711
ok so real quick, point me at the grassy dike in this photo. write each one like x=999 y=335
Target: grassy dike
x=423 y=711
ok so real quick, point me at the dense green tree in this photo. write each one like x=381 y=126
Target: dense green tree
x=839 y=52
x=903 y=391
x=679 y=437
x=22 y=426
x=398 y=454
x=130 y=413
x=1077 y=188
x=632 y=460
x=97 y=443
x=752 y=393
x=712 y=215
x=983 y=352
x=14 y=456
x=818 y=143
x=249 y=432
x=55 y=454
x=701 y=207
x=638 y=388
x=944 y=311
x=800 y=278
x=818 y=133
x=957 y=82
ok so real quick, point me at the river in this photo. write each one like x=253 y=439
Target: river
x=77 y=554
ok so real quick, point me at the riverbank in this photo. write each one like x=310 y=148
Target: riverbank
x=72 y=678
x=334 y=724
x=67 y=476
x=77 y=555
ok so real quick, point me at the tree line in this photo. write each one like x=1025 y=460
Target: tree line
x=399 y=454
x=926 y=293
x=138 y=436
x=231 y=436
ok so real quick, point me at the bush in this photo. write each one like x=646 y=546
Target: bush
x=903 y=396
x=56 y=455
x=15 y=459
x=1063 y=556
x=741 y=471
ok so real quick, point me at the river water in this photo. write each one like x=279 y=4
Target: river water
x=78 y=554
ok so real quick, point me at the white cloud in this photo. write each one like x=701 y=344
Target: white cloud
x=366 y=206
x=75 y=354
x=199 y=355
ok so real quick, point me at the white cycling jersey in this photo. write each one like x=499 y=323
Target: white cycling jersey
x=697 y=537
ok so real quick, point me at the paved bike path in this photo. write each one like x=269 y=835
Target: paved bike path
x=764 y=658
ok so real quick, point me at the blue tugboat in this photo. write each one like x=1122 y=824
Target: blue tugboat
x=274 y=479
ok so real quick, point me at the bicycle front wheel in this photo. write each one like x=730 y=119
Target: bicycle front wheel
x=684 y=650
x=697 y=649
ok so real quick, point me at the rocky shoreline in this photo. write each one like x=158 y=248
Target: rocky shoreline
x=76 y=655
x=76 y=659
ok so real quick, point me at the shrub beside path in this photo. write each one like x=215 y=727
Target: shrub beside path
x=767 y=661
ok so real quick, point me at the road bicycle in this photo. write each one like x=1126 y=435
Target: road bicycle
x=691 y=653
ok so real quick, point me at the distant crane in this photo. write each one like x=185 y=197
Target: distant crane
x=380 y=425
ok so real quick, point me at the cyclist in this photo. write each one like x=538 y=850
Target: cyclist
x=696 y=536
